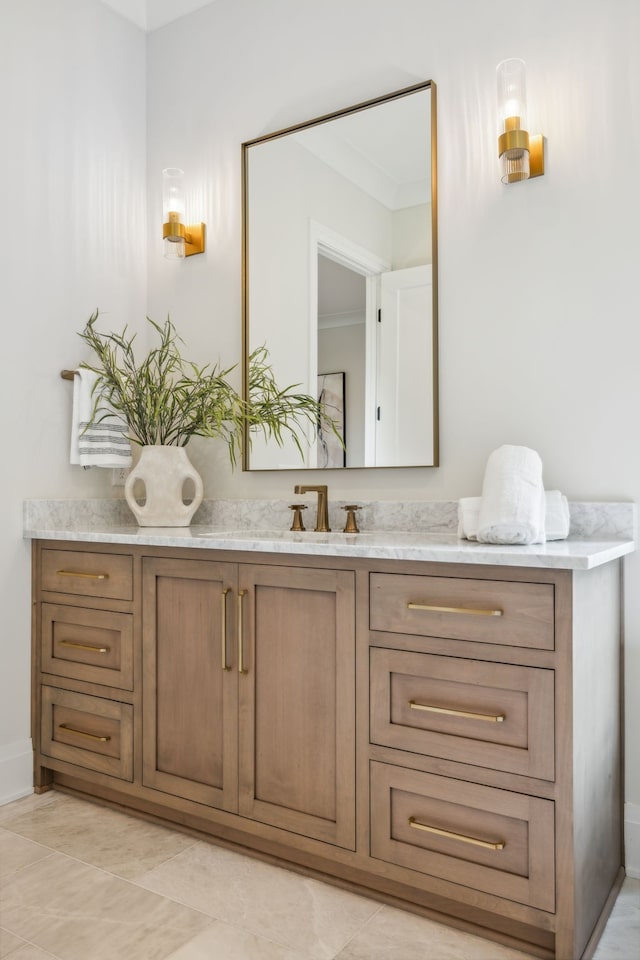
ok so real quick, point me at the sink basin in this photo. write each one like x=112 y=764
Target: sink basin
x=293 y=535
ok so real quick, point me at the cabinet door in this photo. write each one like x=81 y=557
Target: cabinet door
x=297 y=701
x=190 y=688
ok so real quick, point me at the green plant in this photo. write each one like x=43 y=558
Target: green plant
x=165 y=399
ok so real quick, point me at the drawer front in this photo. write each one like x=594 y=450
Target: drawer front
x=91 y=645
x=487 y=611
x=491 y=840
x=105 y=575
x=88 y=731
x=490 y=714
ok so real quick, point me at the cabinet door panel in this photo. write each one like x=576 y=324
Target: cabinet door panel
x=297 y=701
x=190 y=701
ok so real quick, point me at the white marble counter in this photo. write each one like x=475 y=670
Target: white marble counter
x=606 y=534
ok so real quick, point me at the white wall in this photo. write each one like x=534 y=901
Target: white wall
x=538 y=281
x=72 y=175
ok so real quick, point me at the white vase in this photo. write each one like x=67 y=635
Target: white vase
x=163 y=471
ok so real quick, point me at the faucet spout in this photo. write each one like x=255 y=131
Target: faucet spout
x=322 y=518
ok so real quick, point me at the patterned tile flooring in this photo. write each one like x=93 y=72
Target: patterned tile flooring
x=79 y=881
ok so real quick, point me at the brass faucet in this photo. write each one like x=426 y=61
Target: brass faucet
x=322 y=518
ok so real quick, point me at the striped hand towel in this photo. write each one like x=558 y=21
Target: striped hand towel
x=102 y=442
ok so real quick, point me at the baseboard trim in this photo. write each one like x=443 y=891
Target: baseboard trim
x=16 y=771
x=632 y=839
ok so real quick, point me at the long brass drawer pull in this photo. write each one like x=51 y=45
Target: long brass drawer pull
x=80 y=573
x=241 y=669
x=489 y=717
x=469 y=610
x=487 y=844
x=83 y=733
x=83 y=646
x=223 y=629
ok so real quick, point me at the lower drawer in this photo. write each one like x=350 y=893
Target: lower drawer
x=87 y=731
x=476 y=836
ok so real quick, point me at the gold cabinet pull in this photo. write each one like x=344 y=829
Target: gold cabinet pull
x=241 y=669
x=81 y=573
x=83 y=646
x=223 y=629
x=487 y=844
x=469 y=610
x=489 y=717
x=83 y=733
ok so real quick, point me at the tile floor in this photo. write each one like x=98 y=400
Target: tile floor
x=82 y=882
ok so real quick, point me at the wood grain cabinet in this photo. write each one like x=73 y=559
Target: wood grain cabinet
x=494 y=731
x=443 y=736
x=249 y=691
x=84 y=642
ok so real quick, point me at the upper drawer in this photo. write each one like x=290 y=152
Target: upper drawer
x=87 y=644
x=489 y=611
x=494 y=715
x=105 y=575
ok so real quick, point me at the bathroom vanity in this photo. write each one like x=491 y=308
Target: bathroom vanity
x=430 y=722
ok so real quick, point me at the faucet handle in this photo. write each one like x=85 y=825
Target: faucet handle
x=351 y=526
x=297 y=516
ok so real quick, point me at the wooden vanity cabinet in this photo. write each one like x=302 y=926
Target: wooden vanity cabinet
x=443 y=736
x=248 y=691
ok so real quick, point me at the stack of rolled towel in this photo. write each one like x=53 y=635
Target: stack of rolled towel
x=514 y=507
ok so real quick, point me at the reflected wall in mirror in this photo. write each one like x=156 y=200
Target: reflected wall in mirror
x=340 y=276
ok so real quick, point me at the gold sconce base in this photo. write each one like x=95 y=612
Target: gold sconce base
x=536 y=155
x=192 y=234
x=194 y=239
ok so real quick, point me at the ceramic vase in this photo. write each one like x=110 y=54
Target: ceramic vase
x=163 y=471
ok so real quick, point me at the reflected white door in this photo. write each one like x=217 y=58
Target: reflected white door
x=404 y=414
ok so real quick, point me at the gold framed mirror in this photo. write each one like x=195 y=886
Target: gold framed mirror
x=340 y=278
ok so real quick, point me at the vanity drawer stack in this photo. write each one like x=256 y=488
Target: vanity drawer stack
x=85 y=683
x=471 y=719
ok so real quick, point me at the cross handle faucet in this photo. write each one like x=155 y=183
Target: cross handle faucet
x=322 y=518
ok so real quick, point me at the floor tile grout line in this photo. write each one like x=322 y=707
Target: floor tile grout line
x=25 y=942
x=4 y=828
x=358 y=932
x=135 y=882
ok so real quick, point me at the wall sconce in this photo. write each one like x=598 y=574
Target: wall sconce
x=521 y=154
x=180 y=241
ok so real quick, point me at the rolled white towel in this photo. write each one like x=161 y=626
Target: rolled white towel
x=556 y=525
x=513 y=503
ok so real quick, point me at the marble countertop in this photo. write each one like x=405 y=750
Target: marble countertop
x=575 y=553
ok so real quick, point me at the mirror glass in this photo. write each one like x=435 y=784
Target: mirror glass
x=340 y=282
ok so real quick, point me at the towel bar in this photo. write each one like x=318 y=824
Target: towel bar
x=67 y=374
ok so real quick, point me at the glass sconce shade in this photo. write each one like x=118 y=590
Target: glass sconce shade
x=513 y=138
x=173 y=230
